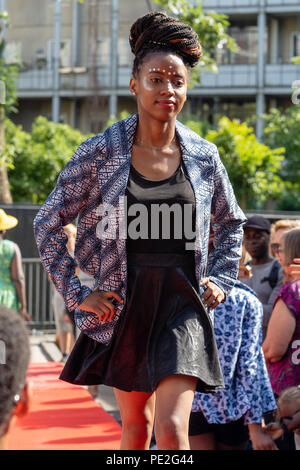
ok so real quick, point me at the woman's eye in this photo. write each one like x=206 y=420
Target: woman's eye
x=178 y=83
x=155 y=79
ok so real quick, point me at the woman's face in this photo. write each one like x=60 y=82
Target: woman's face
x=160 y=86
x=277 y=240
x=288 y=409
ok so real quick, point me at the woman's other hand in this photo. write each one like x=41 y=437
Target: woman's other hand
x=98 y=302
x=294 y=269
x=24 y=314
x=213 y=295
x=260 y=439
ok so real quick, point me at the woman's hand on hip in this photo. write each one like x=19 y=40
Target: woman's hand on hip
x=98 y=302
x=213 y=295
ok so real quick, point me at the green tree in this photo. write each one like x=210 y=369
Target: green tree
x=35 y=159
x=8 y=100
x=282 y=128
x=252 y=166
x=211 y=29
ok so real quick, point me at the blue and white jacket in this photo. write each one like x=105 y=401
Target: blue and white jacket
x=97 y=175
x=238 y=332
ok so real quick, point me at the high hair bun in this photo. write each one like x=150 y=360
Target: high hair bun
x=158 y=32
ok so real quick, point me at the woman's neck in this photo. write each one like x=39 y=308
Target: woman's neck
x=155 y=133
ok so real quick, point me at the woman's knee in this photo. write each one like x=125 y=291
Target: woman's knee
x=170 y=430
x=138 y=430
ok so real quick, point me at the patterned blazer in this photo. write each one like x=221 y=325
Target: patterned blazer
x=96 y=177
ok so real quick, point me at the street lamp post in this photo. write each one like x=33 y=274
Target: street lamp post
x=113 y=104
x=56 y=62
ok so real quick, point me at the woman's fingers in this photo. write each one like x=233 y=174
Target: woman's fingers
x=113 y=294
x=99 y=303
x=213 y=295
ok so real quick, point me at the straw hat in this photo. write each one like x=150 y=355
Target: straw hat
x=7 y=221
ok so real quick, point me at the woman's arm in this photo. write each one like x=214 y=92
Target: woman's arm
x=66 y=201
x=17 y=276
x=227 y=224
x=281 y=327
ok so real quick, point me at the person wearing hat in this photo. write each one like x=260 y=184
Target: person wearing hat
x=267 y=274
x=12 y=282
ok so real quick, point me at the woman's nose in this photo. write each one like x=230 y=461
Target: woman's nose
x=167 y=88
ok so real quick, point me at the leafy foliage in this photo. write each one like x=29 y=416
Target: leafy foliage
x=252 y=166
x=8 y=74
x=282 y=127
x=211 y=29
x=36 y=159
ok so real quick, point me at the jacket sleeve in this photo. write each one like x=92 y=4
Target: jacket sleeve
x=251 y=370
x=62 y=207
x=227 y=224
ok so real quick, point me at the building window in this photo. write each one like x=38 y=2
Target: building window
x=247 y=40
x=103 y=52
x=296 y=45
x=124 y=52
x=65 y=53
x=103 y=45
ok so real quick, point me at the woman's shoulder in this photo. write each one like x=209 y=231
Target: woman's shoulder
x=111 y=141
x=193 y=139
x=290 y=294
x=8 y=247
x=290 y=288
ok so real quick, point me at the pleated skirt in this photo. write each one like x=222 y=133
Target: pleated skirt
x=163 y=330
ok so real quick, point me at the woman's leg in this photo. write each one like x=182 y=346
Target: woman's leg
x=203 y=442
x=137 y=414
x=174 y=398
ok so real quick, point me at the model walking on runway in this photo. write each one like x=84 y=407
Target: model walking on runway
x=144 y=192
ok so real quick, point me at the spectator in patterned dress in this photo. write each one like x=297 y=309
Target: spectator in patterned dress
x=282 y=344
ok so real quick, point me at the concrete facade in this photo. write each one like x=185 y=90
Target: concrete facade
x=93 y=79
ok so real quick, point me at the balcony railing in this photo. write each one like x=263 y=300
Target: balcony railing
x=231 y=76
x=39 y=82
x=248 y=4
x=281 y=75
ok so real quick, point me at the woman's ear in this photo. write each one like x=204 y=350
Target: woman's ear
x=132 y=86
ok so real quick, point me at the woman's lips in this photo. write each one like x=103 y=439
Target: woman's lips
x=166 y=104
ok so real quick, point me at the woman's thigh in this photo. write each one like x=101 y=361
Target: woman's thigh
x=175 y=392
x=135 y=406
x=174 y=398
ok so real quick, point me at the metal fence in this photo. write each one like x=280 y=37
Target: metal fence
x=38 y=294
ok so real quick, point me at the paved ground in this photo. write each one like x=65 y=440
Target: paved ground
x=43 y=349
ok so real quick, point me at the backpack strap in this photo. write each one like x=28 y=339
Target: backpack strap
x=273 y=275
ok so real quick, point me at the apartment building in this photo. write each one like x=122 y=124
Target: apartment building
x=76 y=61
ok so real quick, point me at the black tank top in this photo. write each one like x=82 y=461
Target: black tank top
x=160 y=214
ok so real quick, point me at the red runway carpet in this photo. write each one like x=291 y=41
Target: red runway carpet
x=62 y=416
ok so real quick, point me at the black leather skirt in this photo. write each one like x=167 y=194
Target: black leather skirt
x=164 y=330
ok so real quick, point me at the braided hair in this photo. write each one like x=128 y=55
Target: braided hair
x=157 y=32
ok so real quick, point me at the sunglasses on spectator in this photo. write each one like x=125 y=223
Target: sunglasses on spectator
x=276 y=248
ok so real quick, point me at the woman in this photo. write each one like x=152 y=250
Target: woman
x=288 y=416
x=277 y=231
x=282 y=341
x=63 y=322
x=12 y=283
x=153 y=342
